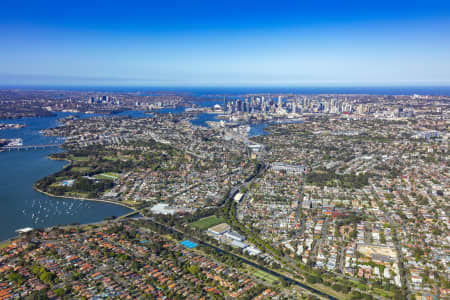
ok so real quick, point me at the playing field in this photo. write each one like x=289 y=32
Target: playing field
x=110 y=176
x=81 y=170
x=207 y=222
x=265 y=276
x=79 y=158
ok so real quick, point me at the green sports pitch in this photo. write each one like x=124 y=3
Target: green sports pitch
x=207 y=222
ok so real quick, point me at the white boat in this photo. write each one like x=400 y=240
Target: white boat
x=15 y=142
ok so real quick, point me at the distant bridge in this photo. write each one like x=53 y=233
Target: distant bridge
x=132 y=213
x=29 y=147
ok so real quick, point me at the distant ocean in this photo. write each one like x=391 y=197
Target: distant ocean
x=202 y=91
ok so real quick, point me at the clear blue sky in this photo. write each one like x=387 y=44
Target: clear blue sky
x=315 y=42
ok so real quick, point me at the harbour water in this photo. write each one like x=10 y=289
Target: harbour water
x=22 y=206
x=203 y=118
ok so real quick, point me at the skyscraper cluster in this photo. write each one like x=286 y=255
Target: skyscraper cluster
x=293 y=105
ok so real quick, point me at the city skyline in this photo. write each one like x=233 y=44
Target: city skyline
x=227 y=44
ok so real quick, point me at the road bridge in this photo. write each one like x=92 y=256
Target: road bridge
x=29 y=147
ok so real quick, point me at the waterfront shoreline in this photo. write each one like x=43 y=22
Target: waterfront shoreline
x=73 y=197
x=82 y=199
x=76 y=198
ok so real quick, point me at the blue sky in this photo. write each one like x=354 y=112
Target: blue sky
x=230 y=43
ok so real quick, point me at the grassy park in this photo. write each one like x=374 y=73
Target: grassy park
x=207 y=222
x=108 y=175
x=265 y=276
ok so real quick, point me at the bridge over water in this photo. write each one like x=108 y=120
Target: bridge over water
x=29 y=147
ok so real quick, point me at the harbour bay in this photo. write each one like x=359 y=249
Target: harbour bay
x=22 y=206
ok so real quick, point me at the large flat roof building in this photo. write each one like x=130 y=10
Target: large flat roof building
x=287 y=168
x=219 y=229
x=234 y=236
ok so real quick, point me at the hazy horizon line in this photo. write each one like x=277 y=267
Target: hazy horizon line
x=398 y=84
